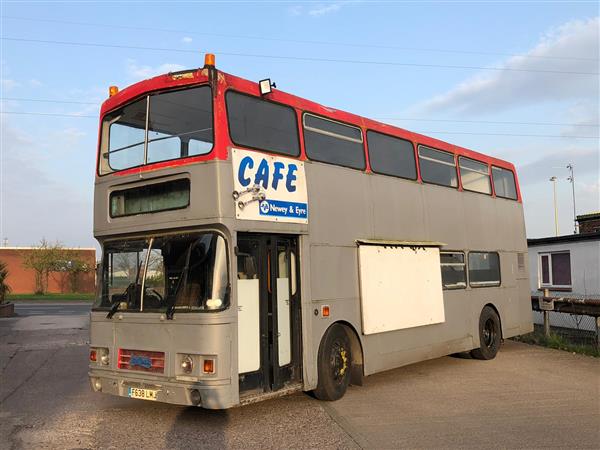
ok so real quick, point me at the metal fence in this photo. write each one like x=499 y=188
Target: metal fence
x=574 y=318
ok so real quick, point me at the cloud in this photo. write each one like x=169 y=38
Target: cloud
x=35 y=83
x=502 y=90
x=295 y=10
x=584 y=118
x=321 y=10
x=137 y=71
x=186 y=40
x=586 y=161
x=8 y=84
x=37 y=201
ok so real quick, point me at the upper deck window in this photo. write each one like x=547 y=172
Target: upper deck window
x=263 y=125
x=159 y=127
x=391 y=156
x=474 y=175
x=437 y=167
x=504 y=183
x=333 y=142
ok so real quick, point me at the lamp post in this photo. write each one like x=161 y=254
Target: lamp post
x=571 y=178
x=553 y=179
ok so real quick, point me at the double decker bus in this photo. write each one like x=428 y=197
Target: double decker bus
x=256 y=243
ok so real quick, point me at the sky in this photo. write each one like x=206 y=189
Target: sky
x=515 y=80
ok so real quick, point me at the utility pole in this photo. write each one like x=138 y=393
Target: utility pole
x=571 y=178
x=553 y=179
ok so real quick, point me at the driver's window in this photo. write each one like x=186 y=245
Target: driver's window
x=125 y=269
x=155 y=275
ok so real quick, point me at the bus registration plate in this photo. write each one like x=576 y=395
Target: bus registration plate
x=144 y=394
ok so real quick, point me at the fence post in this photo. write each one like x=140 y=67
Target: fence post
x=546 y=317
x=598 y=332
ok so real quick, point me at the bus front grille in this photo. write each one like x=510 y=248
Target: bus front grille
x=145 y=361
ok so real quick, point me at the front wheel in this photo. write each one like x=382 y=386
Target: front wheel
x=490 y=335
x=333 y=365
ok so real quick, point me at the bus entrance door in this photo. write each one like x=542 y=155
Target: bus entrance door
x=268 y=312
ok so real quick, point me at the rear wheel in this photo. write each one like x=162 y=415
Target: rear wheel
x=333 y=364
x=490 y=335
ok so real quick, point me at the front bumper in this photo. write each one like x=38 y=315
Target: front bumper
x=216 y=395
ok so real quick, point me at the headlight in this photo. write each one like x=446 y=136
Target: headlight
x=187 y=364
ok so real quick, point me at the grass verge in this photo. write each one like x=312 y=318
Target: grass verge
x=558 y=342
x=50 y=297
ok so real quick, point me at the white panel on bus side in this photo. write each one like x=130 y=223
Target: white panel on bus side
x=248 y=326
x=400 y=287
x=283 y=321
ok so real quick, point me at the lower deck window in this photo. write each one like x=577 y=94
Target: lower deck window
x=454 y=274
x=484 y=269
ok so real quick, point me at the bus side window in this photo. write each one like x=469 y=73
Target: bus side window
x=453 y=270
x=437 y=167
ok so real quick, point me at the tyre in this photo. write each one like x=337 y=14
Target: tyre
x=333 y=364
x=490 y=335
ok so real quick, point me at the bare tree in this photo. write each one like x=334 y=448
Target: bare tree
x=4 y=287
x=42 y=259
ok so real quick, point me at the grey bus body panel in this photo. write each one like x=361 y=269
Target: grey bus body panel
x=344 y=205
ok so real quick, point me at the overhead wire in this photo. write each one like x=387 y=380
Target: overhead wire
x=410 y=119
x=296 y=41
x=32 y=113
x=293 y=58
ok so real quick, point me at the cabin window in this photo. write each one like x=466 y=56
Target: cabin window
x=484 y=269
x=555 y=270
x=437 y=167
x=150 y=198
x=333 y=142
x=261 y=124
x=504 y=183
x=474 y=176
x=159 y=127
x=454 y=274
x=391 y=156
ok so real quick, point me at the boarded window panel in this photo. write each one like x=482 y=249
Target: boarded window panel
x=545 y=269
x=561 y=269
x=400 y=287
x=474 y=176
x=260 y=124
x=484 y=269
x=437 y=167
x=504 y=183
x=391 y=156
x=333 y=142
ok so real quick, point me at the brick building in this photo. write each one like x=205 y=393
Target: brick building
x=22 y=280
x=589 y=223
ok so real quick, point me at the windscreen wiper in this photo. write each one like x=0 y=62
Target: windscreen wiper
x=113 y=310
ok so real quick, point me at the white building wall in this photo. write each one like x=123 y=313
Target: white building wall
x=585 y=265
x=585 y=279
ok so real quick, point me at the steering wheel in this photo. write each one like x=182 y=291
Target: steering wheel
x=156 y=294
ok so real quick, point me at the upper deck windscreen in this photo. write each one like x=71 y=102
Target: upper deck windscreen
x=158 y=127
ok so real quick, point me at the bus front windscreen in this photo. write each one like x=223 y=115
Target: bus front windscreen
x=158 y=127
x=165 y=273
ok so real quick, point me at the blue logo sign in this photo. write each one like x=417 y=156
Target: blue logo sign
x=141 y=361
x=278 y=208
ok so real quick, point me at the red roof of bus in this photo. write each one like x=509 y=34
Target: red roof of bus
x=227 y=81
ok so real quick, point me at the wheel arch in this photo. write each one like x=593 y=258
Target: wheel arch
x=497 y=311
x=356 y=348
